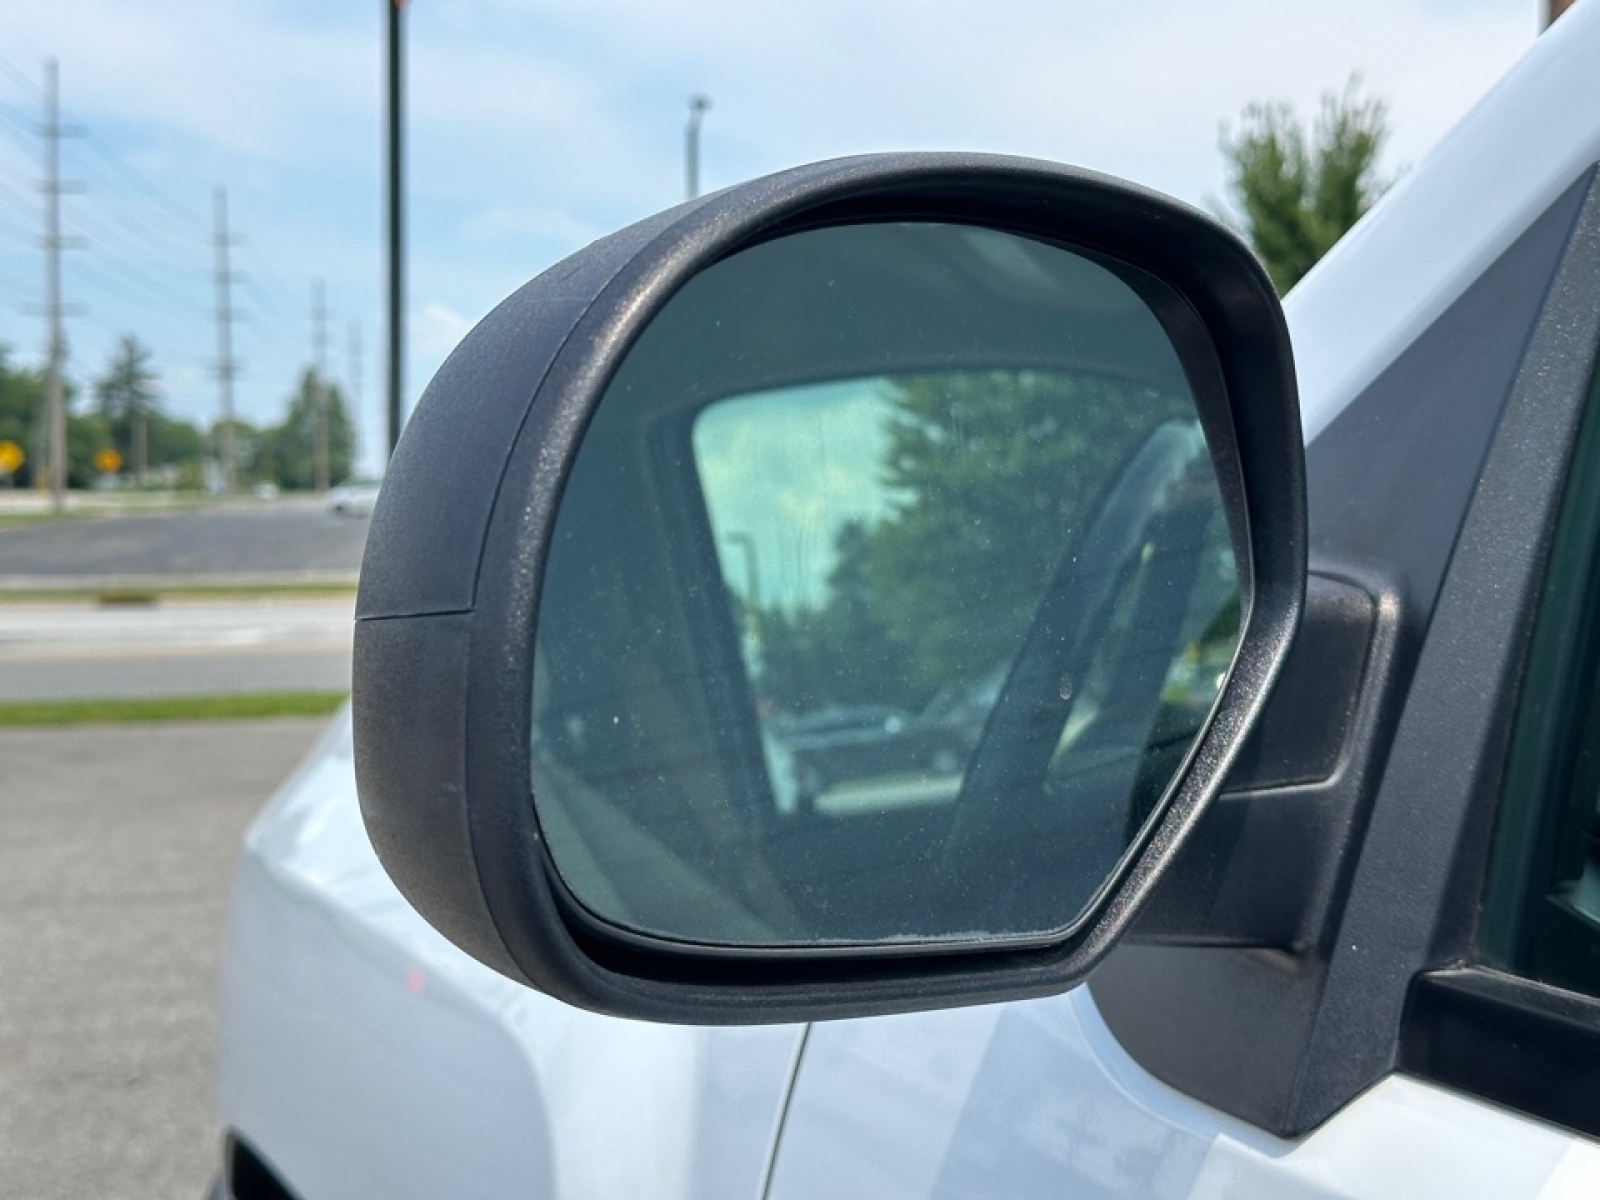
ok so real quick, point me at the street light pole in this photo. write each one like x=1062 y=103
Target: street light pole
x=698 y=104
x=396 y=218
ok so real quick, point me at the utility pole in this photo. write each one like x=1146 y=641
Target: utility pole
x=226 y=367
x=396 y=10
x=698 y=104
x=55 y=338
x=319 y=348
x=353 y=408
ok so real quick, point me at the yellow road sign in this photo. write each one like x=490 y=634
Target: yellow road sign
x=108 y=460
x=11 y=456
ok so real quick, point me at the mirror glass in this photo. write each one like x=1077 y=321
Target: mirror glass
x=890 y=590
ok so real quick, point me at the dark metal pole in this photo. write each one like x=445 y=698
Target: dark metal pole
x=691 y=144
x=396 y=226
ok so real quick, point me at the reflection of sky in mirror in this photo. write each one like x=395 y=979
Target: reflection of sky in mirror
x=787 y=469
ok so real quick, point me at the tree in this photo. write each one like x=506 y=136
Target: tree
x=87 y=435
x=993 y=474
x=22 y=395
x=126 y=399
x=289 y=451
x=1300 y=190
x=23 y=408
x=252 y=460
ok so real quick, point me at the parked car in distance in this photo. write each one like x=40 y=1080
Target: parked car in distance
x=355 y=499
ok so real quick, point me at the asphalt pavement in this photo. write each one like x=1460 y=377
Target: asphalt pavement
x=286 y=540
x=118 y=842
x=117 y=847
x=276 y=641
x=175 y=647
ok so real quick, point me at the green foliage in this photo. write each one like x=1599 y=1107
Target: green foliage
x=125 y=399
x=250 y=706
x=128 y=406
x=1300 y=190
x=287 y=453
x=22 y=394
x=23 y=407
x=842 y=653
x=87 y=435
x=174 y=441
x=994 y=472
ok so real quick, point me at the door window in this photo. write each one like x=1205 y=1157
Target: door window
x=1541 y=911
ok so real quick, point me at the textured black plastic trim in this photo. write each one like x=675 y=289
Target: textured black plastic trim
x=246 y=1175
x=1246 y=878
x=1507 y=1040
x=453 y=822
x=1436 y=491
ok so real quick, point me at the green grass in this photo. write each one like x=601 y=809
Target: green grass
x=12 y=520
x=246 y=706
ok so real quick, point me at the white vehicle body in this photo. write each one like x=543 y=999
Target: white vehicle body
x=362 y=1055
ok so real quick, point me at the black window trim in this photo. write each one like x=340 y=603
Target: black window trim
x=1517 y=1043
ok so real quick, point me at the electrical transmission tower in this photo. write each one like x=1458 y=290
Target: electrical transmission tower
x=227 y=367
x=53 y=187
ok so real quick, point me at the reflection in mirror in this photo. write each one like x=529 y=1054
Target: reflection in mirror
x=890 y=591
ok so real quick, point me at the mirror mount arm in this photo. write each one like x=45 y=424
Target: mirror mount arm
x=1264 y=868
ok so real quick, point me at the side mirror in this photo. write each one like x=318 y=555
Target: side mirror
x=839 y=595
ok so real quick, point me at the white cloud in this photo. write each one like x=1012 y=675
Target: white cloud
x=438 y=329
x=510 y=223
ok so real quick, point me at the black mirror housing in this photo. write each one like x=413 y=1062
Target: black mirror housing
x=447 y=613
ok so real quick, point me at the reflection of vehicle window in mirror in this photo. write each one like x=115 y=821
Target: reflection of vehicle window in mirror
x=888 y=542
x=928 y=581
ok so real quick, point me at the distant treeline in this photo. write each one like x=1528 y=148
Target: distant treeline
x=122 y=413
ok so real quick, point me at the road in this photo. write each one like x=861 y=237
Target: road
x=84 y=649
x=176 y=647
x=283 y=540
x=117 y=846
x=117 y=843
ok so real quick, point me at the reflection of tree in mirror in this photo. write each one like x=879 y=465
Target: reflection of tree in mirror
x=842 y=653
x=994 y=473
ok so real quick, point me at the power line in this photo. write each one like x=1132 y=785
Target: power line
x=189 y=244
x=25 y=235
x=267 y=298
x=18 y=119
x=181 y=212
x=27 y=86
x=279 y=293
x=94 y=223
x=116 y=274
x=22 y=198
x=128 y=290
x=84 y=314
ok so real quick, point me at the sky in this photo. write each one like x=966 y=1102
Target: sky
x=785 y=470
x=534 y=127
